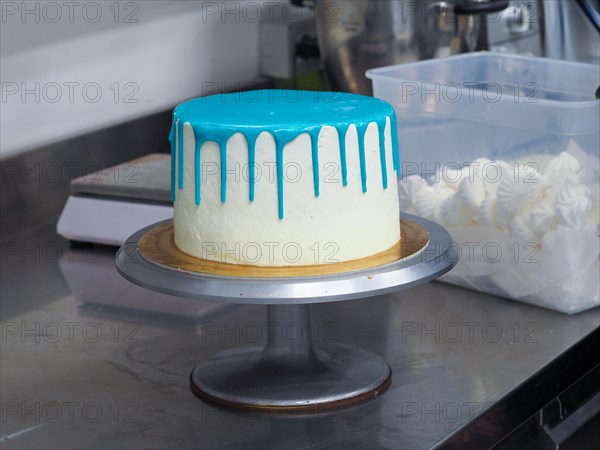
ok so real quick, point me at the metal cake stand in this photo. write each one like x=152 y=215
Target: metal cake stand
x=291 y=373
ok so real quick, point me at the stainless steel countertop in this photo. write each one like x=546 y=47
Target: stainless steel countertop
x=90 y=360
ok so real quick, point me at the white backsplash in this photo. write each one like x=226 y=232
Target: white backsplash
x=67 y=76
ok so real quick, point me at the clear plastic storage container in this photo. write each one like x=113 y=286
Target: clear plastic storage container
x=503 y=151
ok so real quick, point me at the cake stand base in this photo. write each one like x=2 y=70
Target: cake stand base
x=290 y=373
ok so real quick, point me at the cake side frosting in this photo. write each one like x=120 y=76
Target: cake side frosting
x=316 y=185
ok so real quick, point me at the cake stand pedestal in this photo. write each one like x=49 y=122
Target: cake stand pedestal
x=291 y=373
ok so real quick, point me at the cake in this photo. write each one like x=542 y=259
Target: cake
x=284 y=178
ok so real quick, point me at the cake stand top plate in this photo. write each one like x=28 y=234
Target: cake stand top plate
x=434 y=259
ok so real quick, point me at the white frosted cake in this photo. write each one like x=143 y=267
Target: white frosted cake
x=284 y=178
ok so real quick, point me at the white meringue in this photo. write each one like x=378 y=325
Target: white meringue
x=492 y=173
x=564 y=161
x=503 y=218
x=449 y=176
x=573 y=205
x=479 y=166
x=487 y=212
x=552 y=216
x=516 y=198
x=453 y=212
x=542 y=217
x=520 y=231
x=518 y=190
x=471 y=193
x=428 y=200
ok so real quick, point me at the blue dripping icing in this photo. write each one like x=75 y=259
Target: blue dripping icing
x=342 y=137
x=314 y=143
x=172 y=142
x=381 y=130
x=279 y=162
x=223 y=150
x=284 y=114
x=361 y=129
x=251 y=168
x=180 y=126
x=251 y=137
x=395 y=144
x=197 y=167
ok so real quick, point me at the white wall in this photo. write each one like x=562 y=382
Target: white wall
x=69 y=74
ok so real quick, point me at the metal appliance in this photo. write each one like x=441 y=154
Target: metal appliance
x=358 y=35
x=107 y=206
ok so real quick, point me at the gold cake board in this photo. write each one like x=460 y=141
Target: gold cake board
x=158 y=246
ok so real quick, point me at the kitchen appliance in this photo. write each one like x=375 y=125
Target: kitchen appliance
x=107 y=206
x=358 y=35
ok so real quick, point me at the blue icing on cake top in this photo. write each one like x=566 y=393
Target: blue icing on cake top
x=285 y=114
